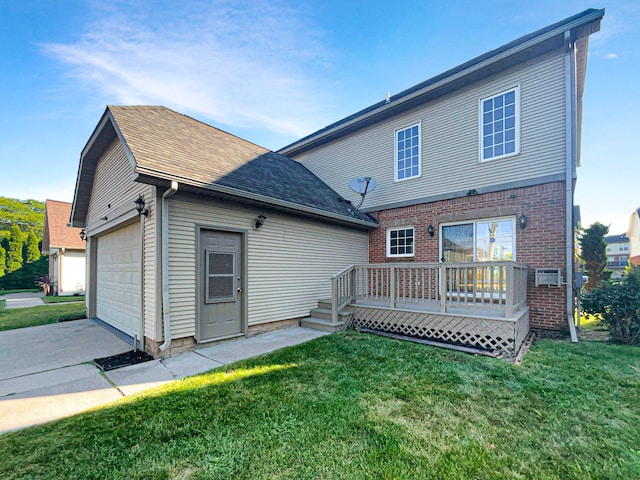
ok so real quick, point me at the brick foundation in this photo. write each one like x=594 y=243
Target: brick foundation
x=540 y=245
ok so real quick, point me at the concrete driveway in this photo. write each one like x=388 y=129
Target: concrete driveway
x=46 y=372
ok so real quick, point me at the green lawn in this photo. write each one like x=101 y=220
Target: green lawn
x=44 y=315
x=360 y=406
x=65 y=299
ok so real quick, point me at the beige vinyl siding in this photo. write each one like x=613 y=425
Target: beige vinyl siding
x=113 y=195
x=290 y=260
x=450 y=143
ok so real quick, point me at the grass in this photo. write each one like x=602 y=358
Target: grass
x=2 y=303
x=44 y=315
x=19 y=290
x=65 y=299
x=360 y=406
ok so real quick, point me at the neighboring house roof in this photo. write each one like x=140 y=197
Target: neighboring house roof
x=622 y=238
x=56 y=232
x=164 y=145
x=515 y=52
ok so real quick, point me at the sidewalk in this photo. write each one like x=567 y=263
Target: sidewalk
x=22 y=300
x=32 y=395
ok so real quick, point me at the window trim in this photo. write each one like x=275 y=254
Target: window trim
x=516 y=89
x=395 y=152
x=388 y=242
x=475 y=222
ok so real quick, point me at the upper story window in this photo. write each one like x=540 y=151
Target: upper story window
x=407 y=158
x=500 y=125
x=400 y=242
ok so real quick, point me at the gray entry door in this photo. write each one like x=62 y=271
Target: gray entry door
x=221 y=292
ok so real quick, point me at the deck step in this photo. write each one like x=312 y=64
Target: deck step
x=325 y=313
x=325 y=303
x=322 y=324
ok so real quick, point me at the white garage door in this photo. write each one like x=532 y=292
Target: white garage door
x=118 y=279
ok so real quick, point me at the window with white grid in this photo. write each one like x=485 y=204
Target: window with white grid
x=407 y=150
x=400 y=242
x=500 y=125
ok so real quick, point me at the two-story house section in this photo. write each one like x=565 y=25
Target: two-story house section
x=477 y=164
x=617 y=254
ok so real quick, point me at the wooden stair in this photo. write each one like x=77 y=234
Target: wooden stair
x=320 y=318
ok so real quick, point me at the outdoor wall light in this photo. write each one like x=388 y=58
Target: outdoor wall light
x=140 y=206
x=83 y=235
x=260 y=221
x=523 y=221
x=431 y=230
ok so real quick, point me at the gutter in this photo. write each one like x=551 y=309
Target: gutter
x=256 y=197
x=166 y=310
x=571 y=161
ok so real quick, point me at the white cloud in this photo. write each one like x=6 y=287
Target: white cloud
x=255 y=65
x=610 y=56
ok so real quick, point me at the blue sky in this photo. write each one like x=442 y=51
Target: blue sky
x=273 y=71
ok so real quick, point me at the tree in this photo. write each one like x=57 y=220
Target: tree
x=3 y=261
x=31 y=249
x=14 y=252
x=594 y=253
x=617 y=302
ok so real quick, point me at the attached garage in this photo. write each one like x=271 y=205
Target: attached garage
x=118 y=279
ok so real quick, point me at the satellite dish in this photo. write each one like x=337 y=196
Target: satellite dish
x=362 y=185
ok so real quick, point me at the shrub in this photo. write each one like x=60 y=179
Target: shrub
x=617 y=303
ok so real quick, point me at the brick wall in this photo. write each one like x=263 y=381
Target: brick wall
x=540 y=244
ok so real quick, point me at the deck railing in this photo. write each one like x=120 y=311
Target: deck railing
x=481 y=285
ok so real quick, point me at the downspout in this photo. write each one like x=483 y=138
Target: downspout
x=166 y=311
x=571 y=162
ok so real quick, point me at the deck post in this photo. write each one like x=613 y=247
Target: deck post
x=443 y=287
x=508 y=307
x=352 y=285
x=392 y=286
x=334 y=300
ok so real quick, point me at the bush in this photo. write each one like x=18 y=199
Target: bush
x=617 y=303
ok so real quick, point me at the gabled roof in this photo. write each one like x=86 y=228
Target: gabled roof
x=164 y=145
x=56 y=232
x=524 y=48
x=622 y=238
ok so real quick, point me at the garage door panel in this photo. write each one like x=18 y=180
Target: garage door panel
x=118 y=279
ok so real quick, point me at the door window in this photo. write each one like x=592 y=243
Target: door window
x=479 y=241
x=221 y=277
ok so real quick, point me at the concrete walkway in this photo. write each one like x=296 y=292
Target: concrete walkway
x=46 y=374
x=23 y=300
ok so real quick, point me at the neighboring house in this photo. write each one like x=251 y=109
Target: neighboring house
x=476 y=164
x=65 y=248
x=467 y=238
x=634 y=238
x=197 y=264
x=617 y=254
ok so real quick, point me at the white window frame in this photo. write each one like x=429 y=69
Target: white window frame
x=395 y=152
x=398 y=255
x=475 y=222
x=516 y=89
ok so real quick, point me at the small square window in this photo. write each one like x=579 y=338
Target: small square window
x=400 y=242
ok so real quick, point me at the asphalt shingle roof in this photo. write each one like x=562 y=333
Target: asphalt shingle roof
x=56 y=232
x=171 y=145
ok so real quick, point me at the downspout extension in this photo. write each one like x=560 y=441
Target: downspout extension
x=166 y=310
x=571 y=123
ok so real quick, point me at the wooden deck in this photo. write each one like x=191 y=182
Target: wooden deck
x=480 y=305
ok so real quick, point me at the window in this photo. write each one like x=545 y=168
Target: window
x=400 y=242
x=220 y=277
x=500 y=125
x=479 y=241
x=407 y=157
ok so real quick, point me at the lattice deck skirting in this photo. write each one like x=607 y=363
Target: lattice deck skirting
x=478 y=332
